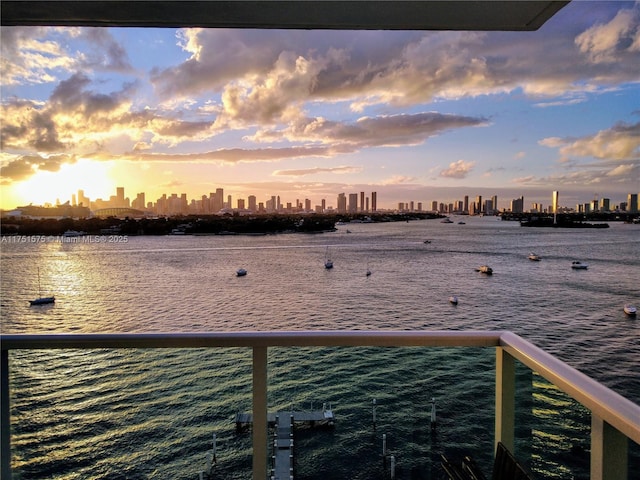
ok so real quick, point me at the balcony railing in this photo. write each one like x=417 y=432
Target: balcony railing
x=614 y=419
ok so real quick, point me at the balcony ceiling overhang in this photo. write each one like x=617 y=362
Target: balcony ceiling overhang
x=514 y=15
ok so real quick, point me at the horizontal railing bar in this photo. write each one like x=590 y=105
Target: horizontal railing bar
x=618 y=411
x=303 y=338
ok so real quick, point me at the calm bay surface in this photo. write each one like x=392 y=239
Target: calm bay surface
x=151 y=414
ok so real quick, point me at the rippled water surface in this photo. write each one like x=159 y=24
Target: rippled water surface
x=151 y=413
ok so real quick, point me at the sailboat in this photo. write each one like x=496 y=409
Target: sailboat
x=328 y=263
x=368 y=270
x=41 y=300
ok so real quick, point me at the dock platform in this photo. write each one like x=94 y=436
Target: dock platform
x=312 y=418
x=283 y=424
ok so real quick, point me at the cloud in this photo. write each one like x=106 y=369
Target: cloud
x=269 y=77
x=39 y=55
x=398 y=180
x=312 y=171
x=621 y=142
x=384 y=130
x=232 y=155
x=606 y=42
x=459 y=169
x=25 y=166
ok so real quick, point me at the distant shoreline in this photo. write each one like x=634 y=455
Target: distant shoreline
x=252 y=225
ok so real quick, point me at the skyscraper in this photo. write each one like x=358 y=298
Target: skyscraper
x=374 y=201
x=353 y=202
x=632 y=202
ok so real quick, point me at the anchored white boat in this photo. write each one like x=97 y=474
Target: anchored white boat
x=577 y=265
x=630 y=310
x=534 y=257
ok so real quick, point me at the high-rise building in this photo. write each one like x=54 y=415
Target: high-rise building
x=342 y=203
x=362 y=201
x=517 y=205
x=374 y=201
x=494 y=201
x=466 y=204
x=218 y=201
x=252 y=203
x=605 y=205
x=139 y=202
x=478 y=205
x=434 y=206
x=120 y=197
x=353 y=203
x=554 y=201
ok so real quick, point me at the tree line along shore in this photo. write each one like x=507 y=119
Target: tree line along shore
x=203 y=225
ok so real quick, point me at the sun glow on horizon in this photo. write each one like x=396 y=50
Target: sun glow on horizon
x=49 y=187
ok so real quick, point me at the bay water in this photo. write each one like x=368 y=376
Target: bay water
x=142 y=414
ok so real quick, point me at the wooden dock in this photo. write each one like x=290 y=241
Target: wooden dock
x=283 y=424
x=312 y=418
x=283 y=447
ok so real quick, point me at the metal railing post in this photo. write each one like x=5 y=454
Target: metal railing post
x=5 y=417
x=505 y=398
x=609 y=454
x=259 y=413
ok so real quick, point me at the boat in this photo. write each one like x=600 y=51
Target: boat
x=577 y=265
x=630 y=310
x=241 y=272
x=41 y=300
x=534 y=257
x=368 y=273
x=462 y=223
x=427 y=241
x=446 y=220
x=485 y=269
x=453 y=300
x=73 y=233
x=328 y=263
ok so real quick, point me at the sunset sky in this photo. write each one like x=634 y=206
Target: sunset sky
x=412 y=115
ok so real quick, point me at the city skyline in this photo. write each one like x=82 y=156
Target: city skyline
x=414 y=116
x=219 y=203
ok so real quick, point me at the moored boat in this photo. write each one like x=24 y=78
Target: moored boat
x=41 y=300
x=630 y=310
x=485 y=269
x=453 y=299
x=328 y=263
x=577 y=265
x=241 y=272
x=534 y=257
